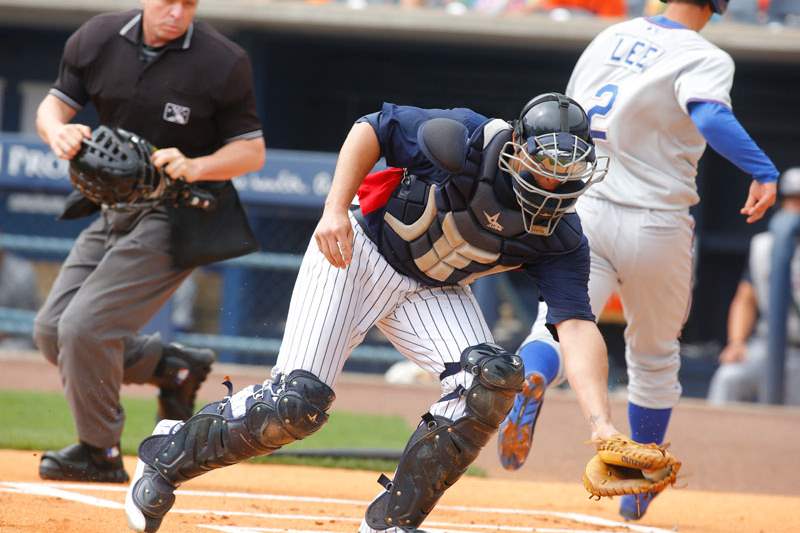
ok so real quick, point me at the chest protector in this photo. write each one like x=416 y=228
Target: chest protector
x=457 y=230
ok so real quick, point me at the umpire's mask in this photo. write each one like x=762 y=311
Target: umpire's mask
x=551 y=143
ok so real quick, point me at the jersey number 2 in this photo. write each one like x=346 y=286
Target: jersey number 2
x=597 y=127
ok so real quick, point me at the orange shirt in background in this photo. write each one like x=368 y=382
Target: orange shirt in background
x=603 y=8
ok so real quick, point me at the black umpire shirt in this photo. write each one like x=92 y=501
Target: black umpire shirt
x=196 y=94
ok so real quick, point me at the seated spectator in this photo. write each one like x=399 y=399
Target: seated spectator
x=746 y=11
x=784 y=12
x=17 y=291
x=743 y=361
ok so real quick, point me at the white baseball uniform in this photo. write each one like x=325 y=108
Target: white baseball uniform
x=743 y=381
x=636 y=80
x=333 y=309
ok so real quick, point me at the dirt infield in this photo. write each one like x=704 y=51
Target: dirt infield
x=253 y=498
x=739 y=474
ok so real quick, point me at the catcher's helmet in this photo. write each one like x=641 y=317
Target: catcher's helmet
x=719 y=6
x=551 y=140
x=114 y=168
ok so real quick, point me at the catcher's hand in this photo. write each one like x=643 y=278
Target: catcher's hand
x=622 y=466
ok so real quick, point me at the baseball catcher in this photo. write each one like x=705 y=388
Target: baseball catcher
x=623 y=466
x=113 y=168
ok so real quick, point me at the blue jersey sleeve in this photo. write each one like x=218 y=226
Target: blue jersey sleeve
x=397 y=126
x=728 y=138
x=563 y=282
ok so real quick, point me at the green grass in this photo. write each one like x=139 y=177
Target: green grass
x=42 y=421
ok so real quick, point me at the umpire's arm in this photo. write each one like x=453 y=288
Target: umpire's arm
x=52 y=124
x=233 y=159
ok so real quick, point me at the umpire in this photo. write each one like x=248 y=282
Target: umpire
x=181 y=85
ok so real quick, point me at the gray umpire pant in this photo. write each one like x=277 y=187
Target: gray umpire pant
x=117 y=276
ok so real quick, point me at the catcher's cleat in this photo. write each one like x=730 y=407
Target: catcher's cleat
x=633 y=506
x=516 y=432
x=179 y=375
x=149 y=495
x=82 y=462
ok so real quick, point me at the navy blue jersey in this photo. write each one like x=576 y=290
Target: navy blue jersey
x=559 y=266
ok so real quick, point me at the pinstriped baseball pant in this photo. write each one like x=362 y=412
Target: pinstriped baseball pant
x=332 y=310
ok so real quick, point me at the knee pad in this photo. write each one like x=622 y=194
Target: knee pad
x=289 y=410
x=498 y=377
x=440 y=450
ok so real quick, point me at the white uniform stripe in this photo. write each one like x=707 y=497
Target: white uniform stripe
x=374 y=315
x=343 y=339
x=309 y=327
x=435 y=339
x=446 y=318
x=388 y=325
x=465 y=319
x=416 y=352
x=375 y=297
x=428 y=344
x=297 y=314
x=322 y=323
x=476 y=309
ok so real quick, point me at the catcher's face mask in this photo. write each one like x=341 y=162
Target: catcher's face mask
x=549 y=173
x=551 y=160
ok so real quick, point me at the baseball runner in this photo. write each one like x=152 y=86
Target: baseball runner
x=467 y=196
x=656 y=93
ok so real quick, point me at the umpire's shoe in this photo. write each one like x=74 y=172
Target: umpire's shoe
x=515 y=435
x=179 y=374
x=82 y=462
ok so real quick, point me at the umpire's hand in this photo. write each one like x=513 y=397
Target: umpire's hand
x=65 y=139
x=334 y=236
x=176 y=165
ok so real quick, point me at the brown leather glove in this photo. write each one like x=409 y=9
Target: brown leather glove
x=622 y=466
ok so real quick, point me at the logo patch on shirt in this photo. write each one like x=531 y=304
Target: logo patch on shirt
x=177 y=114
x=491 y=221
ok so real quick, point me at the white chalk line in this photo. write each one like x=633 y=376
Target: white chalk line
x=64 y=491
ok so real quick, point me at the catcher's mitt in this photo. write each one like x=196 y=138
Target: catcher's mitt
x=622 y=466
x=113 y=168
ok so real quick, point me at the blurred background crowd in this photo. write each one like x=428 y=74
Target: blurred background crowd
x=775 y=12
